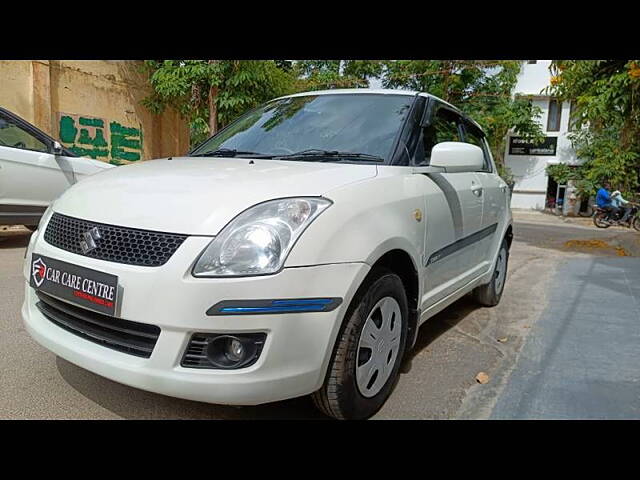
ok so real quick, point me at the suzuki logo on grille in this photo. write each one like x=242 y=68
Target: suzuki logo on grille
x=90 y=237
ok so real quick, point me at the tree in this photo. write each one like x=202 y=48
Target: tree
x=606 y=95
x=480 y=88
x=328 y=74
x=211 y=93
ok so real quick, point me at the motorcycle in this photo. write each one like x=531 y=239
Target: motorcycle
x=601 y=218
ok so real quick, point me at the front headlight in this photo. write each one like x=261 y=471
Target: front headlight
x=258 y=240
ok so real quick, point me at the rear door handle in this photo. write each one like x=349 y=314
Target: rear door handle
x=477 y=190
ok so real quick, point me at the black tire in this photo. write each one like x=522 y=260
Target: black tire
x=635 y=223
x=599 y=220
x=489 y=295
x=340 y=396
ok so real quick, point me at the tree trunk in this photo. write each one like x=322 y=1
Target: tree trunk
x=213 y=111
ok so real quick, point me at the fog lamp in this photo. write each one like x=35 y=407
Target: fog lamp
x=224 y=351
x=234 y=349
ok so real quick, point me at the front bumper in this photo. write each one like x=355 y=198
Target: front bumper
x=293 y=361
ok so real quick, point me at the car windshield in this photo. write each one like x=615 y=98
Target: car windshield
x=315 y=127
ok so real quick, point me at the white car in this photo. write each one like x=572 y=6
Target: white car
x=34 y=170
x=295 y=252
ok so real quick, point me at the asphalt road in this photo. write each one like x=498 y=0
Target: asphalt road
x=581 y=359
x=438 y=381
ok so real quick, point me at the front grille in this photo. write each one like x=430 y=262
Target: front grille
x=123 y=335
x=116 y=244
x=196 y=354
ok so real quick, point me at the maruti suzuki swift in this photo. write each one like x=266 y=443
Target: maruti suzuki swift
x=296 y=252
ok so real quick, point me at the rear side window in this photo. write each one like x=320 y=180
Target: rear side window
x=475 y=137
x=11 y=135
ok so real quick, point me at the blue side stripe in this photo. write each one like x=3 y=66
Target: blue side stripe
x=284 y=308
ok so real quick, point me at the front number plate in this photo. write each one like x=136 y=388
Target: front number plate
x=85 y=287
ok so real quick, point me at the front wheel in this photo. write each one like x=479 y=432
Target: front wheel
x=367 y=355
x=600 y=220
x=489 y=295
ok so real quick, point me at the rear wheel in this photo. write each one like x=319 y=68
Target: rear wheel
x=367 y=355
x=489 y=295
x=600 y=220
x=635 y=223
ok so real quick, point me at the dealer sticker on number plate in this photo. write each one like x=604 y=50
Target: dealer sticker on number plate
x=85 y=287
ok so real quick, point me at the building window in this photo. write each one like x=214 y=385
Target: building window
x=573 y=119
x=532 y=62
x=555 y=113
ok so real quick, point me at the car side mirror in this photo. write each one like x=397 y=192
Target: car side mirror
x=57 y=148
x=457 y=157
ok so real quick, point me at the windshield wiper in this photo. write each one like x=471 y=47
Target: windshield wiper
x=331 y=154
x=229 y=152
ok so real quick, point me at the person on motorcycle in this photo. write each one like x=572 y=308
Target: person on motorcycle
x=621 y=204
x=603 y=199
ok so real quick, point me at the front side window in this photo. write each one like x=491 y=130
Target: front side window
x=356 y=123
x=11 y=135
x=444 y=127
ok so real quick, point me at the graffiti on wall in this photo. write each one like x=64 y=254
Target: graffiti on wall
x=99 y=139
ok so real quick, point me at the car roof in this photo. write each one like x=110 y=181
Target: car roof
x=381 y=91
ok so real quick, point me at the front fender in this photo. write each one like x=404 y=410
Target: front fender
x=366 y=220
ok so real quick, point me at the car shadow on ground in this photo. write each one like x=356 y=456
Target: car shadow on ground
x=131 y=403
x=438 y=325
x=14 y=240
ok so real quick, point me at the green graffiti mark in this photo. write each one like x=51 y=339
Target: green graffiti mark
x=121 y=138
x=89 y=152
x=91 y=122
x=68 y=129
x=97 y=142
x=119 y=145
x=118 y=129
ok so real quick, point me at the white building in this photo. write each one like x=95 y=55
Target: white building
x=528 y=162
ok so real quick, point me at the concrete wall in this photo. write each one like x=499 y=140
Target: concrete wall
x=533 y=78
x=93 y=107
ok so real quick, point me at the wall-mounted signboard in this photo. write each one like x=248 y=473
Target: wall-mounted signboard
x=520 y=146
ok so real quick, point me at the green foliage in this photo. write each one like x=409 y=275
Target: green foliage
x=240 y=85
x=607 y=117
x=328 y=74
x=562 y=173
x=482 y=89
x=586 y=188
